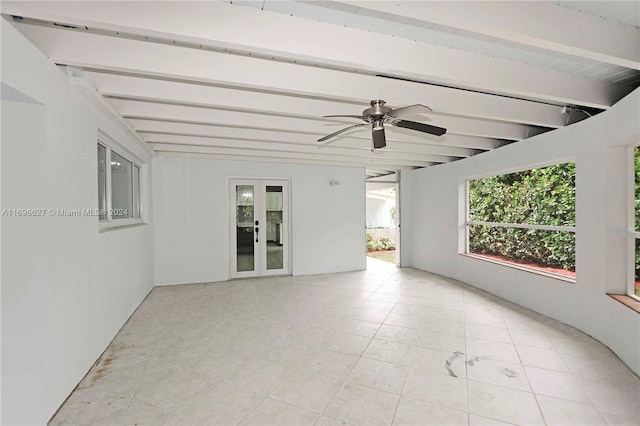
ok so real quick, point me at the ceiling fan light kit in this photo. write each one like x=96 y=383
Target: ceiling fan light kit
x=379 y=114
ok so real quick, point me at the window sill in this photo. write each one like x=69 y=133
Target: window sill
x=627 y=301
x=558 y=277
x=120 y=224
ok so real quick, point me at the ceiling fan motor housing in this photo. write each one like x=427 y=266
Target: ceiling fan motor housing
x=377 y=112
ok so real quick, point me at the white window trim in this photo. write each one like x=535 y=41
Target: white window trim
x=119 y=223
x=109 y=222
x=468 y=222
x=632 y=234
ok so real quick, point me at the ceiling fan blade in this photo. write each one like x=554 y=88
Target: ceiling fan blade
x=409 y=110
x=379 y=139
x=420 y=127
x=322 y=139
x=343 y=116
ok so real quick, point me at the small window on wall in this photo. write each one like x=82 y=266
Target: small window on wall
x=118 y=188
x=121 y=187
x=634 y=287
x=102 y=182
x=525 y=220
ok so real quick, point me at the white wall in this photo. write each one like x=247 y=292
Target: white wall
x=379 y=213
x=191 y=216
x=66 y=288
x=432 y=208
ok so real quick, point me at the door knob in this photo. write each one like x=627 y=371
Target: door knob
x=257 y=230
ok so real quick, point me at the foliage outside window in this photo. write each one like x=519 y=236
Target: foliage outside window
x=118 y=188
x=526 y=218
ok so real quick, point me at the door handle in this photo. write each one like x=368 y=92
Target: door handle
x=257 y=230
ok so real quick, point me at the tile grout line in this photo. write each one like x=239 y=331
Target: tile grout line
x=255 y=408
x=132 y=397
x=344 y=381
x=395 y=411
x=535 y=396
x=581 y=386
x=466 y=366
x=263 y=308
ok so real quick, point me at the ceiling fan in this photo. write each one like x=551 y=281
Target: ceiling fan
x=378 y=114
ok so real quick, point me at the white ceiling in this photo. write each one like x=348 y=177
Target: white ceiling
x=252 y=79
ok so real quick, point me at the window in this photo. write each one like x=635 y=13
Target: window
x=118 y=188
x=525 y=219
x=121 y=187
x=102 y=182
x=634 y=228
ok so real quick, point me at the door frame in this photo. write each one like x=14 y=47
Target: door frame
x=260 y=256
x=398 y=221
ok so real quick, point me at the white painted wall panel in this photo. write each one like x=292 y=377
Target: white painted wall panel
x=66 y=288
x=192 y=217
x=379 y=213
x=433 y=203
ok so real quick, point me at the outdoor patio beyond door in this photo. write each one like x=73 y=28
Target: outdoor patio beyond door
x=259 y=227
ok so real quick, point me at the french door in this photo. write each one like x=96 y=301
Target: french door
x=259 y=227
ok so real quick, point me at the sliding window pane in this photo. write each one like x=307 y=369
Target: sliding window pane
x=121 y=188
x=136 y=192
x=102 y=181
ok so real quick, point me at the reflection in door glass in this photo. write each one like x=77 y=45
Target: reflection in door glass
x=244 y=228
x=274 y=227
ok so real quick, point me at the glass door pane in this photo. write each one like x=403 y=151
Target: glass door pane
x=245 y=218
x=274 y=229
x=259 y=220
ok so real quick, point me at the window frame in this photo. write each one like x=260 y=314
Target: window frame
x=104 y=195
x=109 y=222
x=632 y=234
x=468 y=222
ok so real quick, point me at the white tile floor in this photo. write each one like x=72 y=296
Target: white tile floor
x=382 y=346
